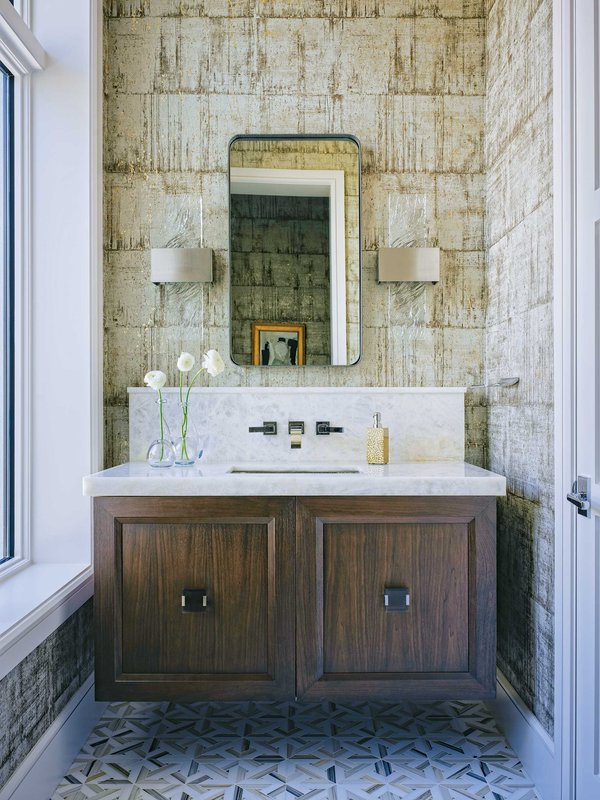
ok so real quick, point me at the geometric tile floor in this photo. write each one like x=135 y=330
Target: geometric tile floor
x=286 y=751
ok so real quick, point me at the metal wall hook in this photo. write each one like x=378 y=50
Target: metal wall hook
x=501 y=382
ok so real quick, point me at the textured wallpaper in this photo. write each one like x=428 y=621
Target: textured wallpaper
x=408 y=77
x=280 y=270
x=405 y=76
x=34 y=693
x=519 y=339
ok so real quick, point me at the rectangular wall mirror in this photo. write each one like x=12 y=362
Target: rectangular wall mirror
x=295 y=250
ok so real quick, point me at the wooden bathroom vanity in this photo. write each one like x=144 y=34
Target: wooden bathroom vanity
x=317 y=596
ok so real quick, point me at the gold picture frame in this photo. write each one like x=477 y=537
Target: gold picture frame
x=266 y=347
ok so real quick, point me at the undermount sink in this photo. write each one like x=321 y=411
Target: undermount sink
x=284 y=470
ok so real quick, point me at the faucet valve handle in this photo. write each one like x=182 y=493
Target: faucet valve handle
x=324 y=429
x=267 y=429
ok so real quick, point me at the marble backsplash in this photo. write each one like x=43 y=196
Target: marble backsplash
x=425 y=424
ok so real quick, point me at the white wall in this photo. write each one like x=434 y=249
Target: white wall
x=63 y=107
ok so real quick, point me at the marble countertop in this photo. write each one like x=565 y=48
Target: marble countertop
x=444 y=478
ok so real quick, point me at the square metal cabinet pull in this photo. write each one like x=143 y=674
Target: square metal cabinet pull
x=396 y=599
x=194 y=600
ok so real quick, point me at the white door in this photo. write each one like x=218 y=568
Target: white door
x=587 y=100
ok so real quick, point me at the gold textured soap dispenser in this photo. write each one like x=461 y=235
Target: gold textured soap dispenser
x=378 y=442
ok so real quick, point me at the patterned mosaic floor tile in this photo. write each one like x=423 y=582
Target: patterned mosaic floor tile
x=288 y=751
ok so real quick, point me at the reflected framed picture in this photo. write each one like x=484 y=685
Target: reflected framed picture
x=278 y=344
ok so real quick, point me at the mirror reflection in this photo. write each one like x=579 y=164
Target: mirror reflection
x=295 y=250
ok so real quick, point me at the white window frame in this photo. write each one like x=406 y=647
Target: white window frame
x=23 y=55
x=58 y=312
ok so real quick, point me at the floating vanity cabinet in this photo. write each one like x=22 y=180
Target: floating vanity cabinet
x=194 y=598
x=320 y=598
x=396 y=598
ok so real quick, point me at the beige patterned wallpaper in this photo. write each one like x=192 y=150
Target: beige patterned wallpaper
x=280 y=272
x=519 y=339
x=34 y=694
x=405 y=76
x=408 y=77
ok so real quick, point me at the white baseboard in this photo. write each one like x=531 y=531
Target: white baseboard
x=39 y=774
x=528 y=738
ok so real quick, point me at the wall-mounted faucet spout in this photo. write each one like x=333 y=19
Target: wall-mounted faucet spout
x=267 y=429
x=296 y=429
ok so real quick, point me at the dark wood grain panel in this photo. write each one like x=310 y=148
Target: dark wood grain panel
x=359 y=634
x=106 y=585
x=230 y=562
x=343 y=648
x=346 y=647
x=482 y=595
x=147 y=550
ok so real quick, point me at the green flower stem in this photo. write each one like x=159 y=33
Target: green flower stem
x=184 y=404
x=162 y=434
x=184 y=427
x=184 y=453
x=187 y=397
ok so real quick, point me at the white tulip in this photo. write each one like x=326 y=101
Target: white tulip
x=213 y=363
x=185 y=362
x=155 y=379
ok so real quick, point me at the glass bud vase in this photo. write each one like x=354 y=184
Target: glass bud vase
x=161 y=452
x=187 y=444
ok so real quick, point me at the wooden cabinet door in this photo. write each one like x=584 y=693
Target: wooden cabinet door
x=239 y=552
x=349 y=644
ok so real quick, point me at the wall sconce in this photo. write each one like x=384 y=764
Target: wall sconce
x=181 y=264
x=408 y=264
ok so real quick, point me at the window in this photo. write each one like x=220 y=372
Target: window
x=50 y=231
x=56 y=308
x=21 y=55
x=7 y=315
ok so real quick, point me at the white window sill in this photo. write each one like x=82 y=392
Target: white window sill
x=34 y=602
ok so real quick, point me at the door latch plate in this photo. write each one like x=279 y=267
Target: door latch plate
x=581 y=494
